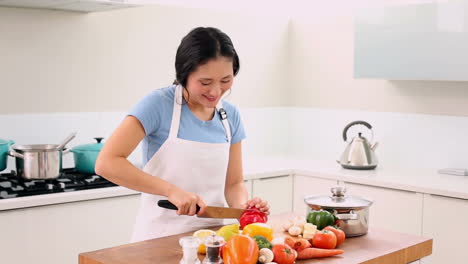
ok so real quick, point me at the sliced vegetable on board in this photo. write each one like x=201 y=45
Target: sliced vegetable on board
x=253 y=215
x=295 y=230
x=309 y=231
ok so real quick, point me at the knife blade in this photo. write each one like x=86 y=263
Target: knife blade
x=210 y=211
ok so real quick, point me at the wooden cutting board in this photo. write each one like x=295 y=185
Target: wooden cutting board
x=379 y=246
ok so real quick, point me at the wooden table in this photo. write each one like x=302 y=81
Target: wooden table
x=379 y=246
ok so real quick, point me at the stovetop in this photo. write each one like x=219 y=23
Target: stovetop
x=12 y=186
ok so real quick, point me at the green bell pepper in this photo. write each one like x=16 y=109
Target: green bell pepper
x=321 y=219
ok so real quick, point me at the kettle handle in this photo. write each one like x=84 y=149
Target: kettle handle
x=359 y=122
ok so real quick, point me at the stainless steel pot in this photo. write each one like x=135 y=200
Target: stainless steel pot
x=352 y=212
x=37 y=162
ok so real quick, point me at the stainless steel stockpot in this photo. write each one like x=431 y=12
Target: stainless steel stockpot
x=37 y=162
x=351 y=212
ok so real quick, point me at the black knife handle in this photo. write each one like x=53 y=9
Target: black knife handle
x=168 y=205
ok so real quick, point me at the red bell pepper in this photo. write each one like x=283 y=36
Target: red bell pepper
x=253 y=215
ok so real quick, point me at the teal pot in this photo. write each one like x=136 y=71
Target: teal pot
x=4 y=147
x=85 y=156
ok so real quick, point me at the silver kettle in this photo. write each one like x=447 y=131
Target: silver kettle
x=359 y=153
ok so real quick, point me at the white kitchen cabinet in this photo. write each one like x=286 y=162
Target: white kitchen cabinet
x=70 y=5
x=277 y=190
x=424 y=41
x=56 y=234
x=395 y=210
x=307 y=185
x=445 y=221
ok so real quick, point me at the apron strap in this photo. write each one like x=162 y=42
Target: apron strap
x=176 y=112
x=223 y=116
x=178 y=108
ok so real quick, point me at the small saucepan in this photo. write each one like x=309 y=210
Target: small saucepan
x=85 y=156
x=39 y=161
x=351 y=212
x=4 y=146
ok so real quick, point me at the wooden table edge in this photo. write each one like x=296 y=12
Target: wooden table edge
x=84 y=259
x=411 y=253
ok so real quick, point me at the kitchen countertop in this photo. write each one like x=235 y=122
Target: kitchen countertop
x=378 y=246
x=408 y=179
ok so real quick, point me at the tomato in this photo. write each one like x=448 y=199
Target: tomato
x=252 y=216
x=324 y=239
x=284 y=254
x=340 y=234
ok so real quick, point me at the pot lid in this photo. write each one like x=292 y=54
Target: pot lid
x=91 y=147
x=2 y=141
x=36 y=147
x=338 y=199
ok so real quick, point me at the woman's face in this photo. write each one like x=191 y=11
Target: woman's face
x=207 y=84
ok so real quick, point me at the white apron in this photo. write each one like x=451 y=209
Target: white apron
x=195 y=167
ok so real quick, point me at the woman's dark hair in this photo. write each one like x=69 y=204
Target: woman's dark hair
x=199 y=46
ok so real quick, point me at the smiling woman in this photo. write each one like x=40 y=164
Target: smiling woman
x=207 y=85
x=188 y=119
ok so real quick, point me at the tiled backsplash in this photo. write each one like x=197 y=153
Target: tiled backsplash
x=52 y=128
x=406 y=140
x=266 y=127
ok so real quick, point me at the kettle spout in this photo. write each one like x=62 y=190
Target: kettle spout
x=374 y=146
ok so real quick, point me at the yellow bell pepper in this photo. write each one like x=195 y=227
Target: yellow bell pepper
x=258 y=229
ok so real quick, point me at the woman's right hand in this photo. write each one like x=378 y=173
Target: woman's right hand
x=186 y=202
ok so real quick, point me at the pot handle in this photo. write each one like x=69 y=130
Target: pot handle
x=359 y=122
x=15 y=154
x=11 y=142
x=350 y=216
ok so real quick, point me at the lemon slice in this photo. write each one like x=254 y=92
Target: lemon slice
x=201 y=234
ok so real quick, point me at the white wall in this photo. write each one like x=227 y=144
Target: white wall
x=65 y=71
x=266 y=129
x=322 y=68
x=54 y=61
x=405 y=140
x=419 y=124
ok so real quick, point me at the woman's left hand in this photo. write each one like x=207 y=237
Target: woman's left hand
x=258 y=203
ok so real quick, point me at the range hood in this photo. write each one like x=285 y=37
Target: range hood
x=72 y=5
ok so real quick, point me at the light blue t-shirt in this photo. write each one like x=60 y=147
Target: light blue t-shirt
x=154 y=112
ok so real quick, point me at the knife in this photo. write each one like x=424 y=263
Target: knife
x=210 y=211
